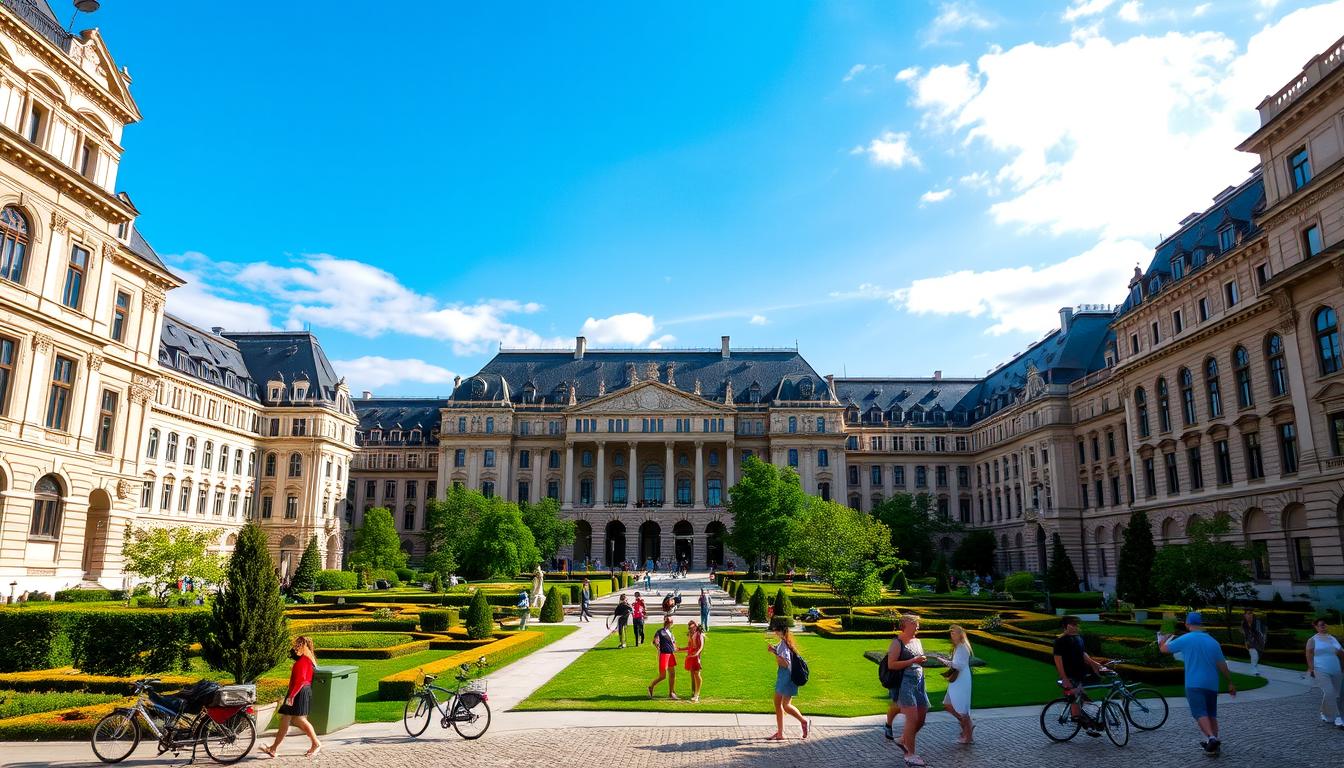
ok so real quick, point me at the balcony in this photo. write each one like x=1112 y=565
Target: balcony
x=1314 y=72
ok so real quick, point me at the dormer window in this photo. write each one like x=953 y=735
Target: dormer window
x=1227 y=237
x=415 y=435
x=1136 y=294
x=276 y=392
x=376 y=436
x=1178 y=267
x=396 y=435
x=529 y=392
x=1155 y=286
x=805 y=389
x=300 y=390
x=754 y=392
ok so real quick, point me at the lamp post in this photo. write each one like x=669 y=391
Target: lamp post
x=12 y=585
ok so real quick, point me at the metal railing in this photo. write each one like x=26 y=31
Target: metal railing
x=34 y=14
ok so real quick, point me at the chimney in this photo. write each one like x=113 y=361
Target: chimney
x=457 y=381
x=218 y=330
x=937 y=375
x=1065 y=318
x=723 y=347
x=580 y=346
x=366 y=394
x=830 y=384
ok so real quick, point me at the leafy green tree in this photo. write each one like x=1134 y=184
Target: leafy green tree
x=310 y=565
x=549 y=531
x=1206 y=572
x=553 y=611
x=247 y=633
x=1060 y=576
x=480 y=618
x=377 y=546
x=449 y=526
x=436 y=583
x=162 y=556
x=756 y=608
x=765 y=504
x=1134 y=572
x=501 y=544
x=846 y=549
x=975 y=553
x=915 y=528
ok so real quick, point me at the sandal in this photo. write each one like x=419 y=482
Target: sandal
x=270 y=753
x=914 y=760
x=776 y=737
x=313 y=752
x=650 y=691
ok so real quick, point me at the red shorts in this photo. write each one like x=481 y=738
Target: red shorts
x=667 y=661
x=692 y=664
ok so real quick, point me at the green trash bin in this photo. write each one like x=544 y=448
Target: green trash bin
x=333 y=698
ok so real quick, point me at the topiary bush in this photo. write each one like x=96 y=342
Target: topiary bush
x=404 y=575
x=1020 y=581
x=900 y=583
x=89 y=595
x=479 y=619
x=437 y=619
x=740 y=594
x=436 y=583
x=553 y=612
x=756 y=608
x=336 y=581
x=783 y=606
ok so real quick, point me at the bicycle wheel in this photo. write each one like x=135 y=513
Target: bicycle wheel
x=1146 y=709
x=1057 y=722
x=470 y=715
x=115 y=737
x=418 y=714
x=230 y=741
x=1113 y=719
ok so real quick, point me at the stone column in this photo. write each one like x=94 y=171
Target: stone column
x=569 y=475
x=698 y=489
x=730 y=467
x=1297 y=390
x=866 y=487
x=632 y=478
x=600 y=494
x=506 y=474
x=1135 y=469
x=539 y=459
x=669 y=477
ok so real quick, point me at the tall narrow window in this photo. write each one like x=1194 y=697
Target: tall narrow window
x=72 y=295
x=1299 y=166
x=295 y=465
x=14 y=240
x=1141 y=411
x=47 y=505
x=1223 y=457
x=1215 y=394
x=152 y=444
x=1327 y=340
x=1288 y=447
x=88 y=159
x=37 y=123
x=107 y=421
x=170 y=453
x=1187 y=396
x=59 y=400
x=1163 y=406
x=1255 y=463
x=1278 y=372
x=120 y=313
x=6 y=371
x=1241 y=364
x=1196 y=466
x=291 y=507
x=1312 y=243
x=189 y=452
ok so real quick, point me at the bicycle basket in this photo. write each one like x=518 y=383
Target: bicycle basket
x=235 y=696
x=474 y=686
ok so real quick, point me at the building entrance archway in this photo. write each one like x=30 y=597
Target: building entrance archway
x=583 y=541
x=650 y=544
x=714 y=533
x=684 y=534
x=615 y=542
x=96 y=535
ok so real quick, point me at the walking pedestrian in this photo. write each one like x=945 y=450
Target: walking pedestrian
x=1254 y=633
x=585 y=602
x=638 y=613
x=958 y=697
x=784 y=650
x=704 y=610
x=524 y=609
x=294 y=710
x=1204 y=661
x=1323 y=655
x=648 y=579
x=622 y=613
x=905 y=654
x=695 y=645
x=666 y=646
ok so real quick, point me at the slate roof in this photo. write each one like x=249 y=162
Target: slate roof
x=204 y=356
x=288 y=356
x=401 y=413
x=140 y=247
x=763 y=376
x=1197 y=239
x=871 y=395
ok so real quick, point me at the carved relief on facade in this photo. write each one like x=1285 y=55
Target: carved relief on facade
x=43 y=343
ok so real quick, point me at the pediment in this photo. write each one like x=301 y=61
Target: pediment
x=1334 y=391
x=651 y=397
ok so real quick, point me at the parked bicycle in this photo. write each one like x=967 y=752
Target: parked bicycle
x=206 y=714
x=1145 y=706
x=464 y=706
x=1059 y=723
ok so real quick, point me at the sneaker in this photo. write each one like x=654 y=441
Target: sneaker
x=1339 y=722
x=886 y=731
x=1212 y=746
x=1324 y=719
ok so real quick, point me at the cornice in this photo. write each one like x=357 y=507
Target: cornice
x=50 y=169
x=67 y=67
x=1260 y=306
x=1330 y=181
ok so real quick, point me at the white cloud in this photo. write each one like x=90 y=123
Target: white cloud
x=372 y=371
x=1025 y=299
x=1201 y=9
x=758 y=320
x=934 y=196
x=854 y=72
x=630 y=328
x=662 y=341
x=909 y=73
x=206 y=299
x=891 y=149
x=1077 y=132
x=1082 y=9
x=954 y=17
x=1131 y=11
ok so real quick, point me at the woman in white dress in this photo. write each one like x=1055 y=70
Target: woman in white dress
x=958 y=698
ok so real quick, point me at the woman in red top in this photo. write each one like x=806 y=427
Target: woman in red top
x=695 y=645
x=300 y=696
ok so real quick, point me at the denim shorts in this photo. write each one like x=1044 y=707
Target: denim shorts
x=1203 y=702
x=911 y=693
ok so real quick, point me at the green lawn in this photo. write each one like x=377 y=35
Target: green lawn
x=358 y=639
x=15 y=703
x=739 y=676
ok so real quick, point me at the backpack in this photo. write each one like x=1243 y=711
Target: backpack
x=798 y=671
x=891 y=678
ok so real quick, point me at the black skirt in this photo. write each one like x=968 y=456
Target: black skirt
x=302 y=701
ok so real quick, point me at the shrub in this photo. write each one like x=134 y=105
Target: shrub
x=437 y=619
x=553 y=611
x=1020 y=581
x=310 y=565
x=382 y=614
x=33 y=640
x=900 y=583
x=110 y=641
x=991 y=623
x=336 y=581
x=436 y=583
x=386 y=574
x=479 y=618
x=756 y=609
x=247 y=632
x=1061 y=576
x=943 y=585
x=362 y=579
x=38 y=597
x=740 y=594
x=783 y=606
x=89 y=595
x=1075 y=599
x=404 y=574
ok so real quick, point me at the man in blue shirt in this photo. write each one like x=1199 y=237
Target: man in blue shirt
x=1204 y=662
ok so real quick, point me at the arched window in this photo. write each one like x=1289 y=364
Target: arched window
x=223 y=458
x=152 y=449
x=1141 y=411
x=170 y=453
x=1187 y=396
x=295 y=465
x=1241 y=367
x=208 y=455
x=1327 y=340
x=14 y=240
x=1211 y=386
x=46 y=508
x=1278 y=371
x=1163 y=406
x=269 y=467
x=189 y=452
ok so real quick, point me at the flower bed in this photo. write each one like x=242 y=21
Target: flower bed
x=398 y=686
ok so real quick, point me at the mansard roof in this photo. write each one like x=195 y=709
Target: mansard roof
x=541 y=376
x=404 y=414
x=1063 y=356
x=905 y=393
x=205 y=356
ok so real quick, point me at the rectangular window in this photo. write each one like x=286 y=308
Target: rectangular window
x=1115 y=491
x=524 y=491
x=460 y=457
x=1110 y=444
x=940 y=476
x=1312 y=243
x=1230 y=294
x=1227 y=237
x=1255 y=465
x=218 y=509
x=147 y=494
x=72 y=295
x=370 y=488
x=1156 y=335
x=1203 y=307
x=37 y=121
x=1261 y=274
x=1195 y=464
x=1223 y=456
x=1302 y=559
x=921 y=477
x=898 y=476
x=1173 y=481
x=823 y=457
x=489 y=457
x=166 y=497
x=1337 y=434
x=1101 y=500
x=1177 y=324
x=6 y=371
x=266 y=507
x=120 y=312
x=1133 y=343
x=59 y=400
x=1082 y=491
x=299 y=427
x=1299 y=168
x=107 y=422
x=389 y=491
x=553 y=489
x=876 y=475
x=1260 y=560
x=184 y=500
x=88 y=159
x=793 y=457
x=291 y=507
x=524 y=459
x=1288 y=447
x=1149 y=477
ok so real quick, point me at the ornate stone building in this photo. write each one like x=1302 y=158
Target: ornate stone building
x=97 y=384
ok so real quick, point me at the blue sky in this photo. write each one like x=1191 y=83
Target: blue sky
x=897 y=187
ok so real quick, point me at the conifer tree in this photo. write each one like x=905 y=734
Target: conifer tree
x=480 y=618
x=310 y=565
x=756 y=609
x=247 y=633
x=1061 y=576
x=1134 y=572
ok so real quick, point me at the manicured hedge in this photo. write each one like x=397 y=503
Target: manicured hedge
x=99 y=640
x=438 y=620
x=398 y=686
x=89 y=595
x=421 y=643
x=328 y=581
